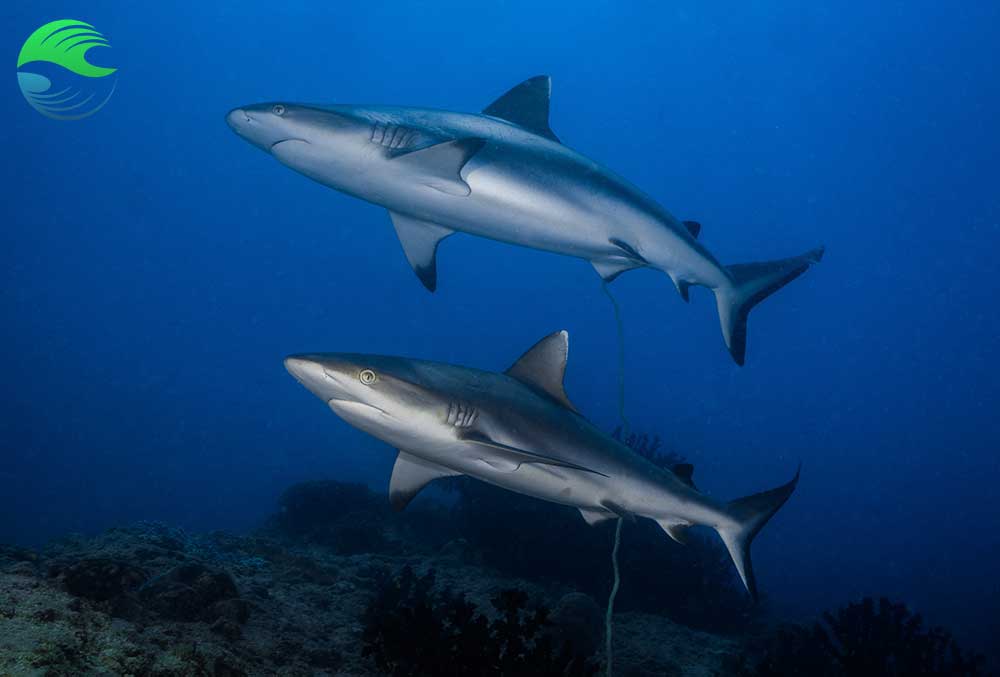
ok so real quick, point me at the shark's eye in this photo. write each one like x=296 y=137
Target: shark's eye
x=278 y=109
x=367 y=376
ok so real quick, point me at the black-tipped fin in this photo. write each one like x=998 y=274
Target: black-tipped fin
x=749 y=515
x=410 y=475
x=751 y=284
x=420 y=241
x=526 y=105
x=677 y=530
x=685 y=473
x=693 y=227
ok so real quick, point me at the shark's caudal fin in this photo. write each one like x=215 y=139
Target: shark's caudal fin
x=749 y=515
x=751 y=284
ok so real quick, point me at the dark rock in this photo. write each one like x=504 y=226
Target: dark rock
x=100 y=579
x=228 y=629
x=327 y=659
x=234 y=610
x=188 y=593
x=579 y=621
x=46 y=615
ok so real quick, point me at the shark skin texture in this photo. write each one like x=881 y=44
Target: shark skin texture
x=503 y=174
x=518 y=430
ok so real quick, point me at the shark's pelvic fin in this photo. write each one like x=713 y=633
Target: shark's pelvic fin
x=693 y=227
x=526 y=105
x=410 y=475
x=594 y=516
x=511 y=458
x=440 y=166
x=609 y=269
x=420 y=240
x=543 y=367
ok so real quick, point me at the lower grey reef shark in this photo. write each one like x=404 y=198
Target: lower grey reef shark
x=504 y=175
x=518 y=430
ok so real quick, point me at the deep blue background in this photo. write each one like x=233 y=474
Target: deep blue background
x=154 y=268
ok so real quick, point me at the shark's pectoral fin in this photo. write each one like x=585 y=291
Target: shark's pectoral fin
x=506 y=458
x=543 y=367
x=526 y=105
x=420 y=241
x=410 y=475
x=676 y=529
x=594 y=516
x=609 y=269
x=440 y=166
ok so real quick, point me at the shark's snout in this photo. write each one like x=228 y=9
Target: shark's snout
x=310 y=373
x=237 y=119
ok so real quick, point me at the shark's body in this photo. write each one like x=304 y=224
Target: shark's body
x=503 y=175
x=518 y=430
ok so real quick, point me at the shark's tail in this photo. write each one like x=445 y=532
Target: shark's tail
x=748 y=516
x=751 y=284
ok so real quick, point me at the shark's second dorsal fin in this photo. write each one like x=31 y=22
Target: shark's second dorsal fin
x=544 y=366
x=526 y=105
x=685 y=473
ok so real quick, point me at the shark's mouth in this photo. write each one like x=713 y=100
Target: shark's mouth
x=355 y=408
x=278 y=145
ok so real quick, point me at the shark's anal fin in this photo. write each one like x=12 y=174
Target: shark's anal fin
x=595 y=516
x=410 y=475
x=506 y=458
x=609 y=269
x=543 y=367
x=526 y=105
x=693 y=227
x=420 y=240
x=440 y=166
x=676 y=529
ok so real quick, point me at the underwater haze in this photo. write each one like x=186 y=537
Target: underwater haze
x=156 y=269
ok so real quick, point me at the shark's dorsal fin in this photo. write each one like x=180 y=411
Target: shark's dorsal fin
x=685 y=473
x=420 y=240
x=410 y=475
x=693 y=227
x=544 y=366
x=512 y=458
x=440 y=166
x=526 y=105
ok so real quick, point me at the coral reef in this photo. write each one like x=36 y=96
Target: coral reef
x=412 y=630
x=865 y=639
x=151 y=599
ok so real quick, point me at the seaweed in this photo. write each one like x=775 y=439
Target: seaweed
x=409 y=630
x=866 y=639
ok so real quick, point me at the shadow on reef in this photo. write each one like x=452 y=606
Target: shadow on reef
x=412 y=630
x=864 y=639
x=694 y=584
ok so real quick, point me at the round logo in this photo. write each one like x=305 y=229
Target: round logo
x=55 y=76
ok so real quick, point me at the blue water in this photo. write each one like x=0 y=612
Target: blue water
x=156 y=268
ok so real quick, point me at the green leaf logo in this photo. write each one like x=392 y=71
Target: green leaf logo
x=54 y=75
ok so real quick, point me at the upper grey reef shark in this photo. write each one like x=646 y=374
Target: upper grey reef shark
x=504 y=175
x=518 y=430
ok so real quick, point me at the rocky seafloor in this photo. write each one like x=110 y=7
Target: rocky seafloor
x=336 y=584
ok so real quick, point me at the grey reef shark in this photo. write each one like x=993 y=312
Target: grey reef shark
x=518 y=430
x=503 y=174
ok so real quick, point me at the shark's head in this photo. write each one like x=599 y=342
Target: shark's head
x=300 y=136
x=389 y=397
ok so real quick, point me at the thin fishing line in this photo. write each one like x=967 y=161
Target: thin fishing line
x=608 y=623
